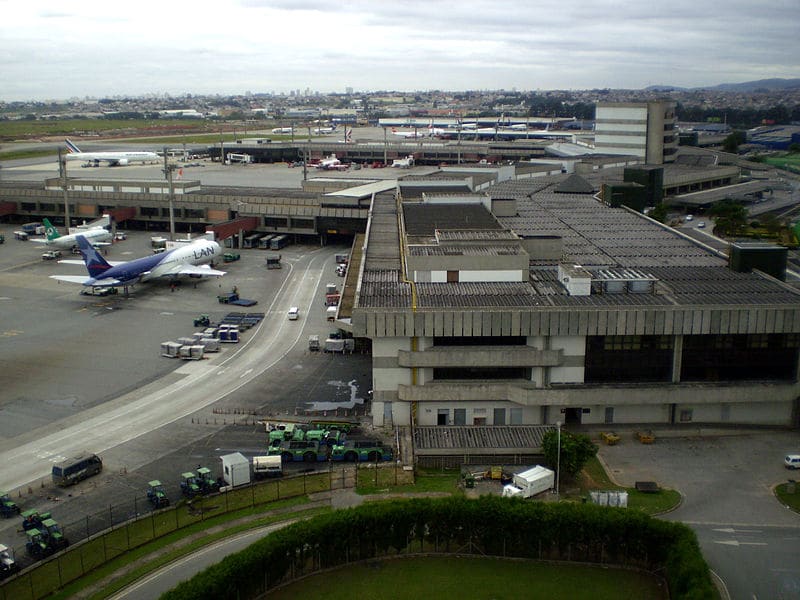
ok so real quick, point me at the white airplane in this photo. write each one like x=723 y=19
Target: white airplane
x=191 y=259
x=114 y=159
x=409 y=134
x=331 y=164
x=97 y=236
x=283 y=130
x=324 y=130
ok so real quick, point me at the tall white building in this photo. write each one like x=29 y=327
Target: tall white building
x=647 y=130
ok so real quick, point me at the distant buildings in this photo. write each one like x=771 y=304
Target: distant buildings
x=647 y=130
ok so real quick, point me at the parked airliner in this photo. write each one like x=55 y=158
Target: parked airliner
x=114 y=159
x=97 y=236
x=191 y=259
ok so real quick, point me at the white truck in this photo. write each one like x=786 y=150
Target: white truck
x=267 y=466
x=531 y=482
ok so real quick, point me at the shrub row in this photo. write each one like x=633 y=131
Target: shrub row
x=487 y=526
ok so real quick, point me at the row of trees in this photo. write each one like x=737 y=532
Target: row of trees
x=487 y=526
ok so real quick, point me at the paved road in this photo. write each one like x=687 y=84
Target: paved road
x=749 y=539
x=189 y=388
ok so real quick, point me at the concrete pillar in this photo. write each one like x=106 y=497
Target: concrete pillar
x=677 y=352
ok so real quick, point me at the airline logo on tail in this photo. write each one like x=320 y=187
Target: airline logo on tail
x=72 y=148
x=95 y=264
x=49 y=230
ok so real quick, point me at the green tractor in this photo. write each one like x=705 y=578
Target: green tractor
x=31 y=519
x=202 y=321
x=208 y=485
x=190 y=486
x=8 y=508
x=156 y=494
x=45 y=541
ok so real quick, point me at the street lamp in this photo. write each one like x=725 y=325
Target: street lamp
x=558 y=456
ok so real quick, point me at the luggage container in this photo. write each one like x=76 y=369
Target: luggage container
x=170 y=349
x=186 y=341
x=330 y=288
x=235 y=469
x=332 y=345
x=210 y=344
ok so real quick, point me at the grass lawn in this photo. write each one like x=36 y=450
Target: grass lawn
x=427 y=480
x=790 y=500
x=474 y=578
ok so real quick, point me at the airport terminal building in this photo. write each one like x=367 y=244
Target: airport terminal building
x=535 y=303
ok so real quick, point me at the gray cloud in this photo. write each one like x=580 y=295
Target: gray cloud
x=94 y=48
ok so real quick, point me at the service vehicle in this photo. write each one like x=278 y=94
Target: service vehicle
x=51 y=255
x=361 y=451
x=205 y=479
x=294 y=313
x=313 y=343
x=265 y=467
x=8 y=508
x=296 y=451
x=32 y=519
x=791 y=461
x=77 y=468
x=190 y=487
x=8 y=566
x=156 y=494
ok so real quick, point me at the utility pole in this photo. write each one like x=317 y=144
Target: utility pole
x=62 y=174
x=168 y=169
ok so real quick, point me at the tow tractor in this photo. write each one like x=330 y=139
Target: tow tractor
x=190 y=487
x=31 y=519
x=8 y=508
x=156 y=494
x=202 y=321
x=46 y=541
x=206 y=481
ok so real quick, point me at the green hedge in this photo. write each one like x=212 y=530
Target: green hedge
x=489 y=525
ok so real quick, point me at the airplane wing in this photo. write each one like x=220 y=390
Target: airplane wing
x=70 y=278
x=82 y=280
x=75 y=261
x=201 y=270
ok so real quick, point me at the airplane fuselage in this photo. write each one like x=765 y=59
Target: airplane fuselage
x=200 y=252
x=65 y=242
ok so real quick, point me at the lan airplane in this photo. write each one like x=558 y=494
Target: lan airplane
x=191 y=259
x=97 y=236
x=114 y=159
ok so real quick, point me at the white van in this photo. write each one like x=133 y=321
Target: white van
x=792 y=461
x=294 y=312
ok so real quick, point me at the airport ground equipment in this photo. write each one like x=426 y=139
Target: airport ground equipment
x=156 y=494
x=32 y=518
x=202 y=321
x=8 y=566
x=45 y=541
x=229 y=257
x=296 y=451
x=361 y=451
x=189 y=485
x=274 y=261
x=206 y=481
x=267 y=466
x=8 y=508
x=235 y=469
x=313 y=343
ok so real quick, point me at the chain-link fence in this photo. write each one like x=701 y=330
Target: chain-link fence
x=99 y=537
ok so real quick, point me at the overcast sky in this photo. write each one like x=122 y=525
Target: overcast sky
x=61 y=49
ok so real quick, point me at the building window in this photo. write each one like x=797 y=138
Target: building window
x=442 y=416
x=478 y=420
x=470 y=373
x=686 y=415
x=459 y=416
x=609 y=417
x=499 y=416
x=452 y=277
x=739 y=357
x=515 y=416
x=628 y=358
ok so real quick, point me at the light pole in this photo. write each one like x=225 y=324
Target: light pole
x=558 y=457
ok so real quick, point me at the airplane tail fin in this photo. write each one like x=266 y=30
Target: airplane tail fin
x=72 y=148
x=49 y=230
x=95 y=264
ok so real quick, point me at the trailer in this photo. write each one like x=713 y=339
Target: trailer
x=267 y=466
x=265 y=241
x=251 y=241
x=530 y=483
x=235 y=469
x=274 y=261
x=278 y=242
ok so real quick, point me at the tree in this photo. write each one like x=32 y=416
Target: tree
x=731 y=143
x=659 y=212
x=576 y=450
x=730 y=217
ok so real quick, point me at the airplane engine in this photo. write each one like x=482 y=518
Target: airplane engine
x=122 y=162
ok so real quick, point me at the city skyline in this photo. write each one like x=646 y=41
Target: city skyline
x=57 y=51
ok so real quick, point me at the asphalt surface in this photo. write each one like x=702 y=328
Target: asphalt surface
x=85 y=373
x=748 y=538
